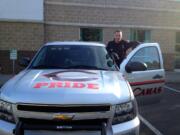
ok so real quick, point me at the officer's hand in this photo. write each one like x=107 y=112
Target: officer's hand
x=115 y=56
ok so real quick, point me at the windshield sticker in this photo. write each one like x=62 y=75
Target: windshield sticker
x=70 y=79
x=59 y=84
x=58 y=76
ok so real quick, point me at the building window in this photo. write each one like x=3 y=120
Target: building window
x=177 y=46
x=91 y=34
x=140 y=35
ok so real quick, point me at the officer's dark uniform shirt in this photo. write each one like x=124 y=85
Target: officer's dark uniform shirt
x=118 y=48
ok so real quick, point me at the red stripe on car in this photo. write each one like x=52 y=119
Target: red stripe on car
x=146 y=82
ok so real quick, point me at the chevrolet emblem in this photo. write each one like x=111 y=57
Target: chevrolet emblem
x=63 y=117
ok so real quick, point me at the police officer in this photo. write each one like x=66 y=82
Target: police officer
x=117 y=48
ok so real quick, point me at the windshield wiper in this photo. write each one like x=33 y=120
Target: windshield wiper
x=45 y=67
x=69 y=67
x=85 y=67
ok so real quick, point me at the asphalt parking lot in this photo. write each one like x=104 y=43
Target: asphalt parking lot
x=163 y=118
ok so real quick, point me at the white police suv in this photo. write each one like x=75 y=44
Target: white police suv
x=74 y=88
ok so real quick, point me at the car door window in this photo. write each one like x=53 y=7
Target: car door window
x=149 y=56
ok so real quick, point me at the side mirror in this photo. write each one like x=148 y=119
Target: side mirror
x=24 y=61
x=135 y=66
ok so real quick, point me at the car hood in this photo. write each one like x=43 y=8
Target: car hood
x=67 y=87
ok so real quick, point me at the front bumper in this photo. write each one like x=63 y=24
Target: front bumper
x=127 y=128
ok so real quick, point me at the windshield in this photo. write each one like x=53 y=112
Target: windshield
x=73 y=57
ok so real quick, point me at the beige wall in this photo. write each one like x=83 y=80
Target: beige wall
x=22 y=36
x=61 y=33
x=64 y=18
x=150 y=4
x=169 y=59
x=72 y=33
x=13 y=35
x=166 y=38
x=161 y=17
x=71 y=12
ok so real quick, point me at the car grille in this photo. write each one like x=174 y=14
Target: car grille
x=62 y=109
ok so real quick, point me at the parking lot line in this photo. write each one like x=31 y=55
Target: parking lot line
x=172 y=89
x=150 y=126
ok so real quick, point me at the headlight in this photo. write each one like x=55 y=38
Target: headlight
x=6 y=111
x=125 y=112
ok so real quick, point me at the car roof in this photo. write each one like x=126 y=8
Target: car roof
x=74 y=43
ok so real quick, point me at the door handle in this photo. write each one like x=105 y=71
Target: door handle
x=157 y=76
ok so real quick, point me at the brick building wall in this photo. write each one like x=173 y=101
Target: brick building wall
x=109 y=16
x=63 y=20
x=61 y=33
x=166 y=39
x=161 y=17
x=23 y=36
